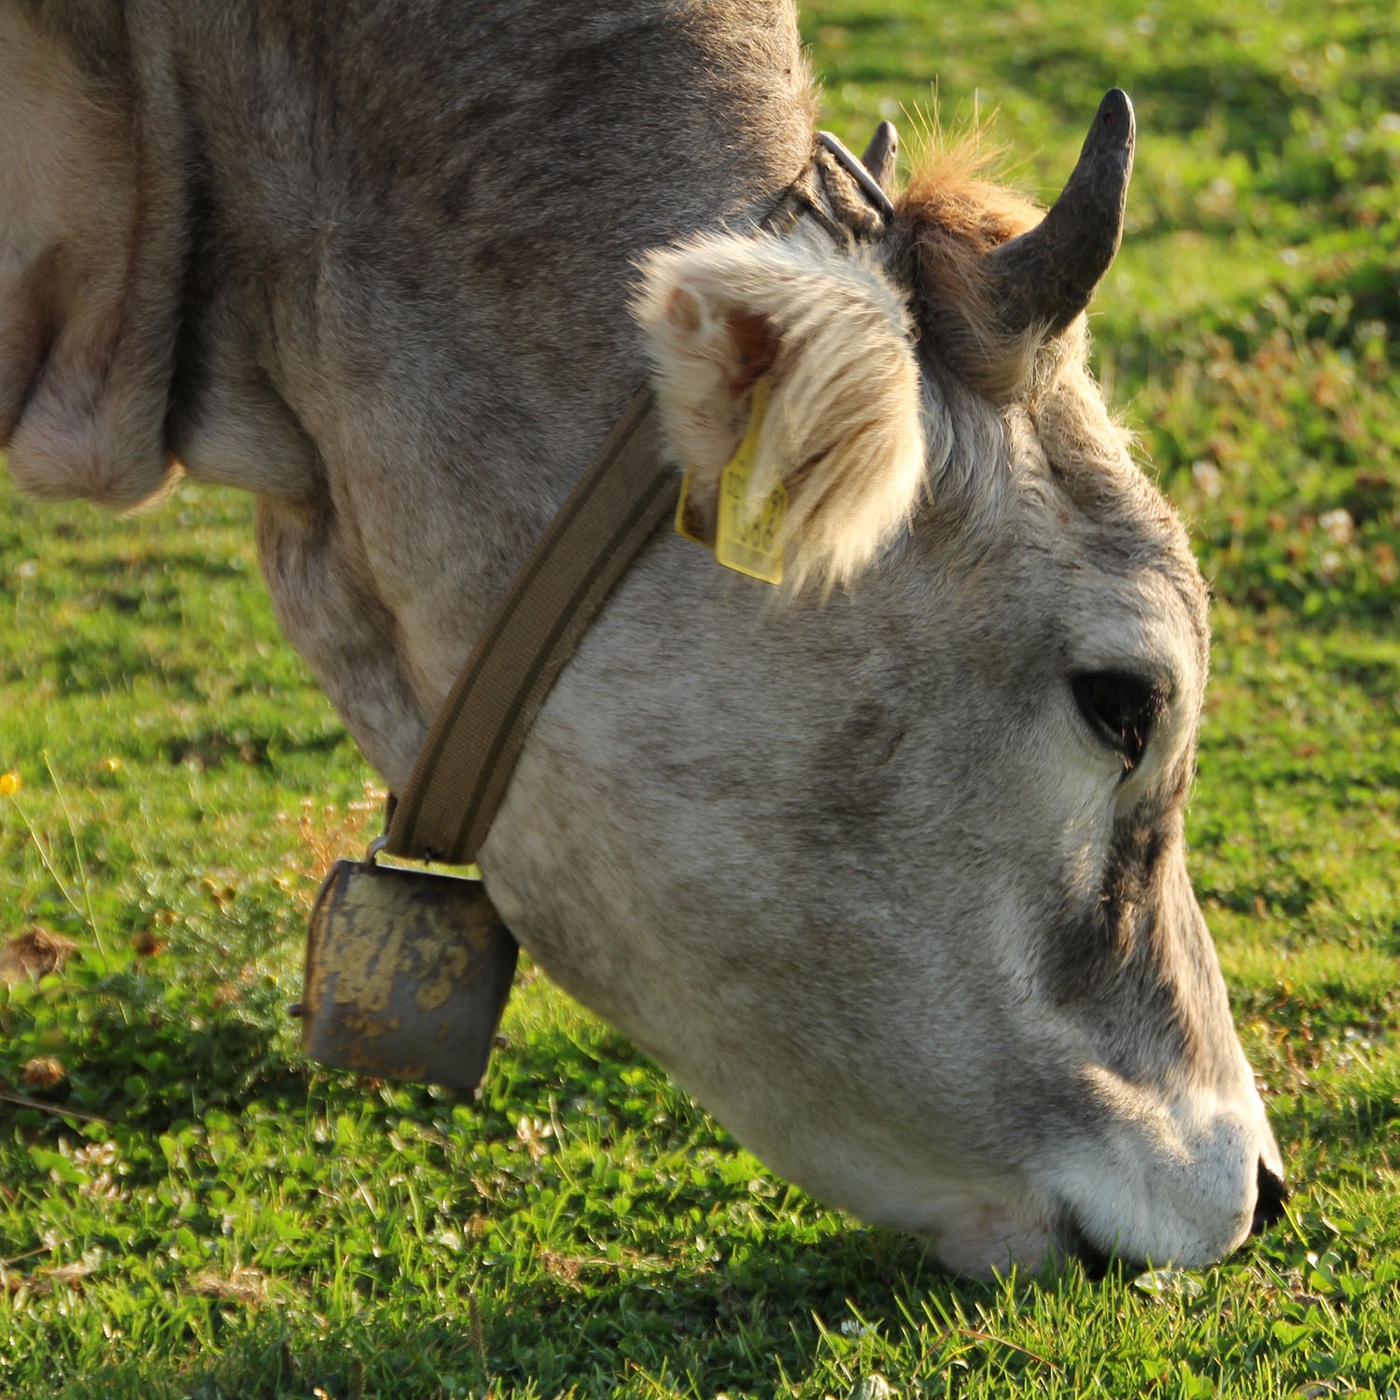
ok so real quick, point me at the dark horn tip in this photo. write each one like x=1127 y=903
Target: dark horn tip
x=1116 y=106
x=1114 y=122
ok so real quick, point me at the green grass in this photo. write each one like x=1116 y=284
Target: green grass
x=237 y=1223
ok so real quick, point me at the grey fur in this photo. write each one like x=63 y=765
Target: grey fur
x=855 y=870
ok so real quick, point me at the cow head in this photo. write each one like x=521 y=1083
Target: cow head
x=888 y=869
x=1032 y=1052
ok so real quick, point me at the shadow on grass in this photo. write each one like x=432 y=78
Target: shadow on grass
x=785 y=1296
x=743 y=1326
x=150 y=1052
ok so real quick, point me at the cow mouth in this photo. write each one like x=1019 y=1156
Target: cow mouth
x=1073 y=1242
x=1001 y=1245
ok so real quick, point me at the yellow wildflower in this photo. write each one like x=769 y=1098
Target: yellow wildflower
x=10 y=783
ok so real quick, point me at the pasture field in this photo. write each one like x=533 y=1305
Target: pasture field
x=189 y=1209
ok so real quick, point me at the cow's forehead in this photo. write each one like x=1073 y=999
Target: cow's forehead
x=1084 y=563
x=1065 y=547
x=1132 y=598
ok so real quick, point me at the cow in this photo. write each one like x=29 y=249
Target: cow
x=885 y=865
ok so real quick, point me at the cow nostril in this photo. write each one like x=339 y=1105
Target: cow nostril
x=1268 y=1205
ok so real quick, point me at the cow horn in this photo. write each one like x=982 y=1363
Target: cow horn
x=879 y=157
x=1047 y=275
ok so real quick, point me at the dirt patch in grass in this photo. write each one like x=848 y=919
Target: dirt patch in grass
x=34 y=953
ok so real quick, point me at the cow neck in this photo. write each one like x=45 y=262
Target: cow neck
x=465 y=764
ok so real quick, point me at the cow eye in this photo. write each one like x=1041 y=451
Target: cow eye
x=1119 y=709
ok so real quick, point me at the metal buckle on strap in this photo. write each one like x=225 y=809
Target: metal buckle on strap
x=855 y=168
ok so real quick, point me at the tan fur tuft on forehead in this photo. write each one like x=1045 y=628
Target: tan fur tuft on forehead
x=950 y=215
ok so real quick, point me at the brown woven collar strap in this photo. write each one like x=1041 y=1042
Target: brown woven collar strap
x=466 y=763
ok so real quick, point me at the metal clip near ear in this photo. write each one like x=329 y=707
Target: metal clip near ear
x=407 y=973
x=856 y=170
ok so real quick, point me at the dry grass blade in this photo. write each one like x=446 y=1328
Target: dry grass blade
x=58 y=1110
x=241 y=1284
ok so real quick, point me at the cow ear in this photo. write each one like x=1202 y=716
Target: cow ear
x=832 y=339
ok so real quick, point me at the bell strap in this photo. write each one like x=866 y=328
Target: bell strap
x=465 y=764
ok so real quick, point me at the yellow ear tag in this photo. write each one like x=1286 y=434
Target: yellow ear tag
x=748 y=543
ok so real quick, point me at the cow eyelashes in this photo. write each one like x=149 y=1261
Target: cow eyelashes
x=1120 y=710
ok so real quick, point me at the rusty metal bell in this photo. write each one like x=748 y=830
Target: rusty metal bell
x=407 y=973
